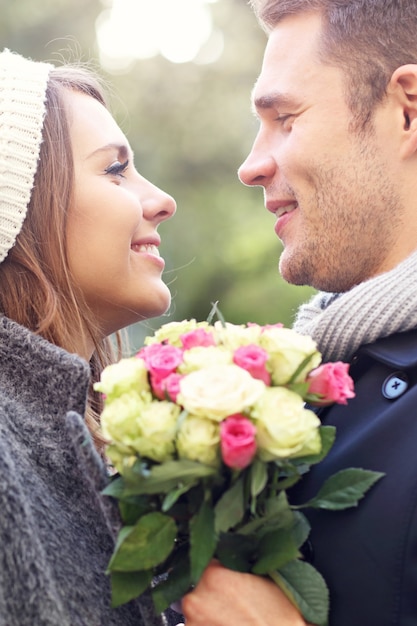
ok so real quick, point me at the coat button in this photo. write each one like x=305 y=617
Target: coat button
x=395 y=385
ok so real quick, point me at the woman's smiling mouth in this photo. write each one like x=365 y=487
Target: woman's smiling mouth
x=147 y=248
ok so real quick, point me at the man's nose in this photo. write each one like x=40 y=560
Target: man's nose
x=258 y=168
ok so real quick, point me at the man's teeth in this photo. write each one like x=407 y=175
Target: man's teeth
x=286 y=209
x=146 y=247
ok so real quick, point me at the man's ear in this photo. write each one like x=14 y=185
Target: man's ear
x=403 y=85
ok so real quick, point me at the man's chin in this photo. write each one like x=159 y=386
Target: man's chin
x=291 y=272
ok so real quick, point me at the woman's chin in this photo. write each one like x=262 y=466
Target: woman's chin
x=160 y=303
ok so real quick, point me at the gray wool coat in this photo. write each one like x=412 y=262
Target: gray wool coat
x=56 y=529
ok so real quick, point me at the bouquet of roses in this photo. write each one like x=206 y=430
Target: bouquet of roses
x=208 y=427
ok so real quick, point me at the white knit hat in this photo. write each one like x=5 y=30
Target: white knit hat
x=22 y=109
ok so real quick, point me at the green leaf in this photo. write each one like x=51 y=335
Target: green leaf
x=181 y=417
x=306 y=588
x=175 y=585
x=301 y=367
x=289 y=481
x=275 y=549
x=230 y=508
x=344 y=489
x=258 y=477
x=131 y=509
x=300 y=388
x=216 y=311
x=301 y=528
x=166 y=477
x=144 y=545
x=126 y=586
x=235 y=551
x=203 y=540
x=278 y=510
x=172 y=497
x=277 y=514
x=115 y=488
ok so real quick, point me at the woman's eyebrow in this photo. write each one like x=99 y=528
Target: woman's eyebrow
x=121 y=149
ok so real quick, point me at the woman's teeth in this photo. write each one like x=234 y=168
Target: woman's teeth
x=148 y=248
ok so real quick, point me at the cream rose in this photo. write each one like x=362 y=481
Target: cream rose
x=173 y=330
x=127 y=375
x=119 y=418
x=202 y=357
x=199 y=440
x=285 y=429
x=158 y=423
x=287 y=351
x=233 y=336
x=143 y=426
x=218 y=391
x=121 y=457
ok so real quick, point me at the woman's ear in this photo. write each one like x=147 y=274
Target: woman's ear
x=403 y=86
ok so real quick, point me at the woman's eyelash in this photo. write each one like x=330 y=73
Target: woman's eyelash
x=117 y=168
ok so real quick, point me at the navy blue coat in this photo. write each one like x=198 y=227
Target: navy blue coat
x=368 y=555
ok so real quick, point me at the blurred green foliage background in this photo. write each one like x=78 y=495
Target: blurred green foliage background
x=190 y=126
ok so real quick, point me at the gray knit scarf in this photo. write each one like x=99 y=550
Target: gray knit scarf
x=381 y=306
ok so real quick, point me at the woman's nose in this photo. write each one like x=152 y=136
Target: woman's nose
x=158 y=205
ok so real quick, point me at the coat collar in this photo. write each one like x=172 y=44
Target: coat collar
x=39 y=373
x=398 y=350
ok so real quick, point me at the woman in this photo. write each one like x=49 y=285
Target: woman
x=78 y=261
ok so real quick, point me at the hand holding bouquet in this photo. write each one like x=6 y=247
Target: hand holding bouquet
x=208 y=428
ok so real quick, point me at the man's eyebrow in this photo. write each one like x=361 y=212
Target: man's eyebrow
x=275 y=100
x=121 y=149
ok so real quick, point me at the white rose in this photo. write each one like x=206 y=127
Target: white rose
x=218 y=391
x=287 y=350
x=199 y=440
x=284 y=428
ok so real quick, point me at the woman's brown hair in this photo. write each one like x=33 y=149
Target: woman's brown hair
x=36 y=286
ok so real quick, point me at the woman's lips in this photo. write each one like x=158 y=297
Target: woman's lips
x=150 y=251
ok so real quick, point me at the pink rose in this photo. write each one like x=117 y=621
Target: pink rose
x=267 y=326
x=147 y=351
x=332 y=383
x=197 y=338
x=237 y=441
x=161 y=359
x=166 y=386
x=253 y=358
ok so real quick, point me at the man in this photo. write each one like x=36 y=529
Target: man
x=336 y=155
